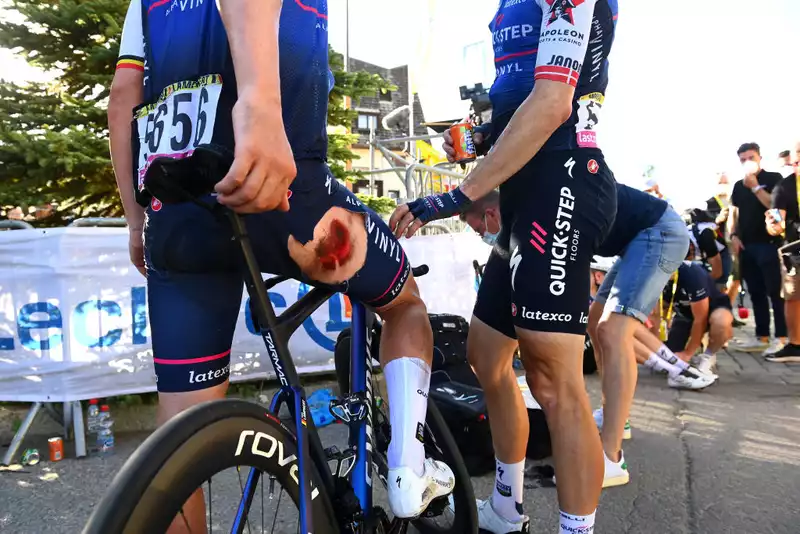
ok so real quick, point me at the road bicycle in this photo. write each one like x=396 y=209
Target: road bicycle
x=331 y=488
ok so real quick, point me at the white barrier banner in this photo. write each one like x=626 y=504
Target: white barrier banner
x=74 y=320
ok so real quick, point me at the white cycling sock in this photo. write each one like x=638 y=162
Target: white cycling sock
x=668 y=356
x=407 y=382
x=654 y=362
x=571 y=523
x=507 y=495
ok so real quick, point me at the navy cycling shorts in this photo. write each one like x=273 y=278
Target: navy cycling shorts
x=555 y=212
x=194 y=280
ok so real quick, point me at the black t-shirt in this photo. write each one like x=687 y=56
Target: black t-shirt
x=704 y=238
x=784 y=197
x=694 y=284
x=750 y=225
x=713 y=209
x=636 y=211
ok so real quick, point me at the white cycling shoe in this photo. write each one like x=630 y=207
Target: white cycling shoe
x=491 y=521
x=410 y=494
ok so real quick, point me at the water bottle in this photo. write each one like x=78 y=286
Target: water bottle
x=92 y=415
x=105 y=432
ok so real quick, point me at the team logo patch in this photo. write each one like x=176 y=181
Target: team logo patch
x=288 y=194
x=155 y=204
x=592 y=166
x=562 y=10
x=513 y=309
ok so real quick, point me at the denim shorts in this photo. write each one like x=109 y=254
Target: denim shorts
x=635 y=281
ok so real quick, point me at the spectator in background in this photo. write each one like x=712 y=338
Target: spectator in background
x=757 y=250
x=718 y=208
x=785 y=199
x=699 y=308
x=709 y=246
x=785 y=161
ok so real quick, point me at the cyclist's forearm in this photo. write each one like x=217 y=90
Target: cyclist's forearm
x=252 y=29
x=545 y=109
x=121 y=103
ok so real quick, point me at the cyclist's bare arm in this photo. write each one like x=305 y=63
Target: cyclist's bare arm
x=547 y=107
x=127 y=92
x=263 y=167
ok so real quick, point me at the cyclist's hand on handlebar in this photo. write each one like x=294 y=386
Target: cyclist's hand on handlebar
x=263 y=166
x=409 y=218
x=477 y=139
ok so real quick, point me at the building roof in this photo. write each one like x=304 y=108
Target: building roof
x=381 y=105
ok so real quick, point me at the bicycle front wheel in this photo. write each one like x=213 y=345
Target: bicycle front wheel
x=153 y=485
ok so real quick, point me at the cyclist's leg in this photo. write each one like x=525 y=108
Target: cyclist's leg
x=558 y=225
x=490 y=349
x=374 y=270
x=720 y=326
x=194 y=293
x=644 y=269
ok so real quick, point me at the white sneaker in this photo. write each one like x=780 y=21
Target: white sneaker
x=774 y=347
x=491 y=521
x=616 y=473
x=752 y=345
x=706 y=363
x=691 y=379
x=598 y=420
x=410 y=495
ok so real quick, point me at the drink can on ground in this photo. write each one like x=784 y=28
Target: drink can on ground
x=56 y=449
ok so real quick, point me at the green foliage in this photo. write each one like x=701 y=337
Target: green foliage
x=380 y=205
x=353 y=85
x=54 y=136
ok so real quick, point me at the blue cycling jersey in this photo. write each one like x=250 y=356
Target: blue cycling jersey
x=190 y=84
x=566 y=41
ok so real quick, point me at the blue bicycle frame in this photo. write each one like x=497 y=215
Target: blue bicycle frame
x=276 y=332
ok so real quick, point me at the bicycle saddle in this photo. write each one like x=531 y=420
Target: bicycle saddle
x=175 y=180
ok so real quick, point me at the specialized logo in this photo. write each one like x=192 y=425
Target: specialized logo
x=513 y=309
x=559 y=247
x=516 y=259
x=538 y=234
x=562 y=10
x=155 y=204
x=569 y=165
x=592 y=166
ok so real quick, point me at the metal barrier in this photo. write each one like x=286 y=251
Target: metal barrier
x=115 y=222
x=15 y=225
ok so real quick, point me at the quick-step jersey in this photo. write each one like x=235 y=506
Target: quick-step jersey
x=566 y=41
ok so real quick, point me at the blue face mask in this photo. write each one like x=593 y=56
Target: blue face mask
x=488 y=237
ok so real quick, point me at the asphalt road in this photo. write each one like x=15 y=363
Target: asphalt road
x=726 y=460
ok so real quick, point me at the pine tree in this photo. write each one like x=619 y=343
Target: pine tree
x=54 y=136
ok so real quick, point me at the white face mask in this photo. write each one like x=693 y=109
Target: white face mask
x=488 y=237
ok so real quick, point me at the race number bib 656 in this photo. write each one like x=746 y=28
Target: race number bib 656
x=181 y=119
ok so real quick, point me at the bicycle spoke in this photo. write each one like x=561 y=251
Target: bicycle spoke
x=277 y=507
x=262 y=505
x=241 y=487
x=210 y=514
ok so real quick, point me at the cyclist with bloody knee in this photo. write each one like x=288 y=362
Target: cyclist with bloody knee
x=557 y=203
x=222 y=73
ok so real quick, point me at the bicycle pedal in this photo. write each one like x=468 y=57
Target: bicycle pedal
x=437 y=507
x=350 y=409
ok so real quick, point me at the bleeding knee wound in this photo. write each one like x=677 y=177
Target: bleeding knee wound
x=336 y=247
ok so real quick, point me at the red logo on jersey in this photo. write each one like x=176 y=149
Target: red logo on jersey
x=513 y=309
x=562 y=10
x=155 y=204
x=592 y=166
